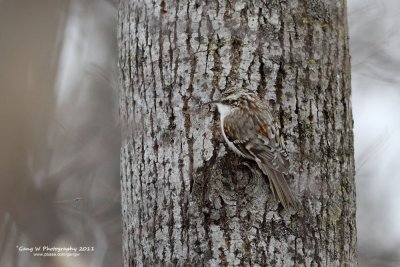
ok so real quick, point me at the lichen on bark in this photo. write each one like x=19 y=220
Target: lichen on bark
x=188 y=200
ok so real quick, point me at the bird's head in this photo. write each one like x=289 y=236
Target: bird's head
x=232 y=98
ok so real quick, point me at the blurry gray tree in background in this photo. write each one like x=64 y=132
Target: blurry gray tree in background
x=59 y=138
x=375 y=50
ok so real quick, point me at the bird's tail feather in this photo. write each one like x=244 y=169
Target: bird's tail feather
x=279 y=187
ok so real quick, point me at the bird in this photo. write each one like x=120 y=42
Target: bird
x=250 y=130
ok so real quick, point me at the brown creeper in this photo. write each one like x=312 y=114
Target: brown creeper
x=250 y=131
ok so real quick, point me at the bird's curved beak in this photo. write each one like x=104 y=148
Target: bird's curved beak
x=210 y=103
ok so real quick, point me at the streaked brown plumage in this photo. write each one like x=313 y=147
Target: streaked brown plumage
x=249 y=129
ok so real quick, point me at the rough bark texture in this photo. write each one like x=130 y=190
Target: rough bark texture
x=187 y=199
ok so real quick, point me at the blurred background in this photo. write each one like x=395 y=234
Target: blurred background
x=375 y=58
x=59 y=135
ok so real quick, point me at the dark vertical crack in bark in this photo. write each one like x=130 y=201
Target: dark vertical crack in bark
x=281 y=74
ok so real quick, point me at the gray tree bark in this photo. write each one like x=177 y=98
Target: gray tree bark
x=189 y=201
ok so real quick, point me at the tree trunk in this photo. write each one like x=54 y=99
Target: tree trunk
x=189 y=201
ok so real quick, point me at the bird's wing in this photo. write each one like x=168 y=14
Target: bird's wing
x=256 y=135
